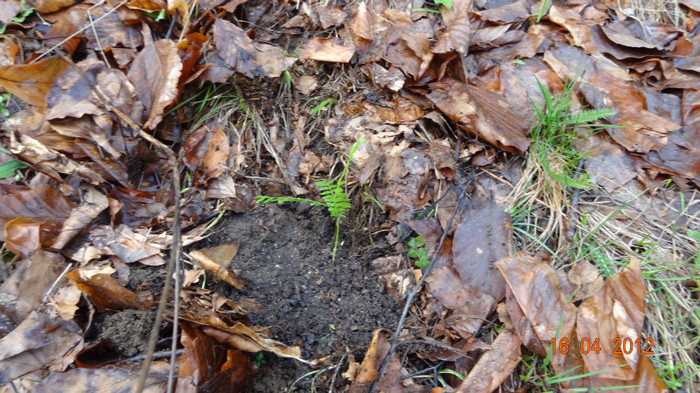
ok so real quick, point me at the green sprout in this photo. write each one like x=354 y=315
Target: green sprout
x=333 y=194
x=417 y=252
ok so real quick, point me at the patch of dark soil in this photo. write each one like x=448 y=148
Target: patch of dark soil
x=128 y=330
x=327 y=308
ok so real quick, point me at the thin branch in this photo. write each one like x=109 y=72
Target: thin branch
x=414 y=292
x=174 y=263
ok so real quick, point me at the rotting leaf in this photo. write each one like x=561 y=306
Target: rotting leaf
x=483 y=238
x=32 y=82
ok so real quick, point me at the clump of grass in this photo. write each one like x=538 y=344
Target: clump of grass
x=333 y=194
x=553 y=168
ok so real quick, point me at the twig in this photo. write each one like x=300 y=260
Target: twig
x=79 y=32
x=174 y=263
x=414 y=292
x=573 y=217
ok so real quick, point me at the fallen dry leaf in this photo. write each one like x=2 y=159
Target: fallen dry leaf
x=235 y=48
x=38 y=341
x=32 y=82
x=107 y=379
x=206 y=152
x=494 y=366
x=483 y=238
x=44 y=205
x=218 y=269
x=326 y=49
x=106 y=293
x=155 y=73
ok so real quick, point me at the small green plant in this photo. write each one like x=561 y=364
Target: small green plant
x=333 y=193
x=9 y=168
x=417 y=252
x=446 y=3
x=318 y=108
x=4 y=99
x=157 y=16
x=539 y=14
x=554 y=138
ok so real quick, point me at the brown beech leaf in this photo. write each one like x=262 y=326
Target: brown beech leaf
x=235 y=48
x=147 y=5
x=38 y=341
x=31 y=82
x=106 y=293
x=128 y=244
x=106 y=379
x=220 y=270
x=362 y=24
x=494 y=366
x=48 y=6
x=155 y=73
x=483 y=111
x=42 y=204
x=326 y=49
x=369 y=369
x=113 y=29
x=206 y=152
x=456 y=36
x=92 y=204
x=537 y=291
x=23 y=291
x=209 y=366
x=483 y=238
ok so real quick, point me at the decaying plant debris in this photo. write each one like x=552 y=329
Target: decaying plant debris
x=525 y=192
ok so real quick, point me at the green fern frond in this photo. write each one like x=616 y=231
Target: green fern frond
x=336 y=200
x=591 y=116
x=270 y=199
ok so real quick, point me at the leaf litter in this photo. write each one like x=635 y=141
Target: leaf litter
x=445 y=96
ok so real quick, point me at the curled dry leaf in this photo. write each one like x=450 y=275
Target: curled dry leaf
x=106 y=293
x=207 y=365
x=494 y=366
x=32 y=82
x=369 y=369
x=218 y=269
